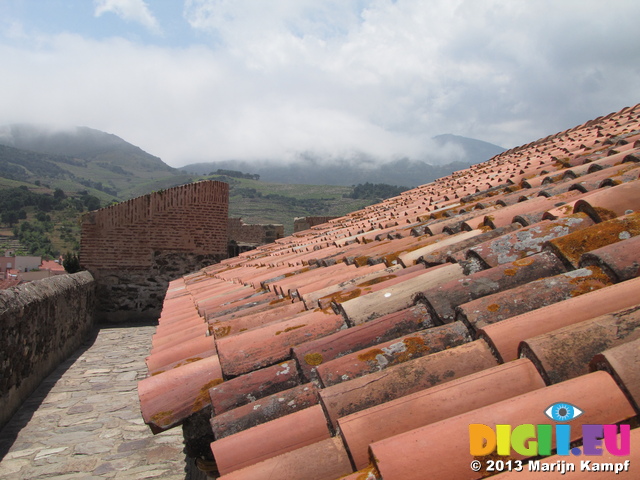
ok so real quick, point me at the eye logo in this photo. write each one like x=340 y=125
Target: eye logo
x=563 y=412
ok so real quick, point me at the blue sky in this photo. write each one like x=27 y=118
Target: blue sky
x=206 y=80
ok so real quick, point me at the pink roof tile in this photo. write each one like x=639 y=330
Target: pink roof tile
x=525 y=241
x=571 y=246
x=256 y=384
x=178 y=354
x=397 y=297
x=620 y=260
x=444 y=298
x=252 y=320
x=533 y=295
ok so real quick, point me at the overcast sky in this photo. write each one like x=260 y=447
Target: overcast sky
x=206 y=80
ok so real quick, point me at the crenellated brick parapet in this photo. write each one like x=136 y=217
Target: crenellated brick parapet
x=136 y=247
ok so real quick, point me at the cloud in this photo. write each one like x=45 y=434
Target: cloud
x=274 y=80
x=129 y=10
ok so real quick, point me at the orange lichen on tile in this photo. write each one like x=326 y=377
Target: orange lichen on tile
x=574 y=245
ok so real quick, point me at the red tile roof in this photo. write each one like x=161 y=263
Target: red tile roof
x=391 y=329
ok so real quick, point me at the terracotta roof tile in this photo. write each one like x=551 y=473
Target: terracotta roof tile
x=525 y=241
x=253 y=385
x=324 y=460
x=505 y=336
x=442 y=448
x=282 y=435
x=571 y=246
x=397 y=297
x=383 y=355
x=442 y=253
x=406 y=378
x=189 y=386
x=271 y=343
x=326 y=288
x=177 y=354
x=428 y=406
x=565 y=352
x=444 y=298
x=316 y=352
x=374 y=284
x=264 y=409
x=530 y=296
x=620 y=260
x=236 y=340
x=252 y=320
x=608 y=203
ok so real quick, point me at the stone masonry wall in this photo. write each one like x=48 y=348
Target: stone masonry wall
x=135 y=248
x=41 y=324
x=241 y=232
x=305 y=223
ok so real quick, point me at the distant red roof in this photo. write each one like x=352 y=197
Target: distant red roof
x=4 y=284
x=51 y=265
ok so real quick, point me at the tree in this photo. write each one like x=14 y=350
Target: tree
x=10 y=218
x=59 y=194
x=71 y=262
x=91 y=202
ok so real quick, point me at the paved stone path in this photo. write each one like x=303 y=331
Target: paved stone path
x=84 y=420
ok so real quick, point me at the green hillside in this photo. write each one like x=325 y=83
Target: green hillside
x=81 y=158
x=48 y=179
x=260 y=202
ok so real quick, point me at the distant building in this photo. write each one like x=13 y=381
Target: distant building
x=27 y=263
x=16 y=269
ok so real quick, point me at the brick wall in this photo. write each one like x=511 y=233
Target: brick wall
x=41 y=324
x=135 y=248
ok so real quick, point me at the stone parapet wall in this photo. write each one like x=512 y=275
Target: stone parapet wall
x=259 y=234
x=305 y=223
x=41 y=324
x=136 y=294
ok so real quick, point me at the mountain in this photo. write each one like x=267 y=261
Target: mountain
x=476 y=151
x=80 y=142
x=312 y=170
x=82 y=158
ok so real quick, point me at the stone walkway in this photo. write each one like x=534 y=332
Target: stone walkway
x=84 y=420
